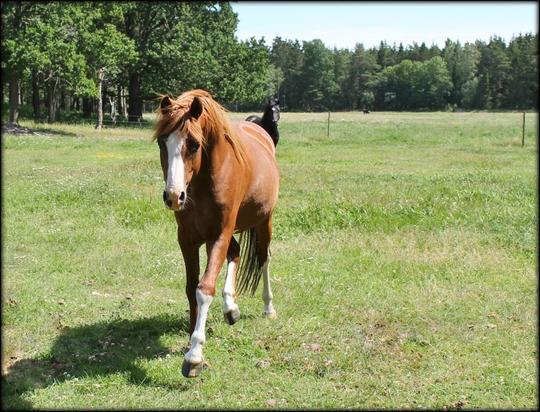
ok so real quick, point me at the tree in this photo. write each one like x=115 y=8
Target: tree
x=523 y=85
x=462 y=62
x=385 y=55
x=415 y=85
x=275 y=80
x=287 y=55
x=179 y=46
x=317 y=77
x=107 y=50
x=48 y=48
x=19 y=51
x=245 y=73
x=437 y=83
x=471 y=98
x=400 y=54
x=494 y=72
x=362 y=69
x=342 y=67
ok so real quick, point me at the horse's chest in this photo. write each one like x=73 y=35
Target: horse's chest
x=206 y=215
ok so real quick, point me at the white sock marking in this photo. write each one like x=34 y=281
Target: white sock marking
x=228 y=289
x=198 y=337
x=267 y=290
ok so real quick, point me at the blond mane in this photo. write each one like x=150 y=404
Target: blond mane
x=213 y=121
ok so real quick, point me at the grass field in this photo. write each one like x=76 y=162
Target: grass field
x=404 y=271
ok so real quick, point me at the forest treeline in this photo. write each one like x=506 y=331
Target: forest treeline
x=112 y=59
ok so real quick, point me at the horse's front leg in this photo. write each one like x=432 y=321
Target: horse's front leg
x=190 y=242
x=206 y=290
x=191 y=262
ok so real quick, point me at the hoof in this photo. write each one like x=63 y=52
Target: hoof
x=192 y=370
x=232 y=316
x=270 y=315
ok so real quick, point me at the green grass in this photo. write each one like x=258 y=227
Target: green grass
x=404 y=271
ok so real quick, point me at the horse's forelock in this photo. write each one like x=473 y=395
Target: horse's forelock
x=213 y=120
x=169 y=120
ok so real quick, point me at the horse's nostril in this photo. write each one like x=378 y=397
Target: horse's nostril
x=165 y=196
x=182 y=197
x=168 y=202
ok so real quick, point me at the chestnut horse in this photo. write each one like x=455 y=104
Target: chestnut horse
x=220 y=179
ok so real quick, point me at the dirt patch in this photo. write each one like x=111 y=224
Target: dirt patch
x=19 y=130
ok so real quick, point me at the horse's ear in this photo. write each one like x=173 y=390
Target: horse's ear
x=165 y=104
x=196 y=108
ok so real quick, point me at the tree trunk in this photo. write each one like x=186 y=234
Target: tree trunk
x=62 y=100
x=36 y=102
x=68 y=101
x=14 y=86
x=20 y=93
x=87 y=107
x=101 y=76
x=51 y=102
x=14 y=98
x=119 y=102
x=135 y=100
x=124 y=104
x=114 y=112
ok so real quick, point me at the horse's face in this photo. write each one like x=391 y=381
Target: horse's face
x=275 y=114
x=180 y=155
x=274 y=103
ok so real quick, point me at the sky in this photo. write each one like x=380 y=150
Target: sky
x=343 y=24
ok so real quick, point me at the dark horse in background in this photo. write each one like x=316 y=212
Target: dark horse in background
x=269 y=120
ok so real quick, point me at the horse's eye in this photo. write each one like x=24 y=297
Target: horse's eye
x=192 y=146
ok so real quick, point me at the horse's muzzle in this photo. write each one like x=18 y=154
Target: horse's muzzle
x=174 y=200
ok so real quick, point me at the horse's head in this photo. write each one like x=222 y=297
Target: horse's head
x=179 y=136
x=274 y=106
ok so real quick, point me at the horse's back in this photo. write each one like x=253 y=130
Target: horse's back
x=248 y=131
x=254 y=118
x=262 y=193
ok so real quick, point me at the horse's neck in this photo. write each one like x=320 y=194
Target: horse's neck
x=267 y=117
x=217 y=152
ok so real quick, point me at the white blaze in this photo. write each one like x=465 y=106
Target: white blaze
x=175 y=174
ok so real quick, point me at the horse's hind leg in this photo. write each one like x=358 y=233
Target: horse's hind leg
x=231 y=312
x=264 y=235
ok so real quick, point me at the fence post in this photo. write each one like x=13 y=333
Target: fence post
x=523 y=133
x=328 y=128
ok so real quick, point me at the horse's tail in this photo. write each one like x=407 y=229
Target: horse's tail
x=249 y=270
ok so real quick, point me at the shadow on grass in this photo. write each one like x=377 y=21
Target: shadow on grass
x=52 y=131
x=38 y=131
x=95 y=350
